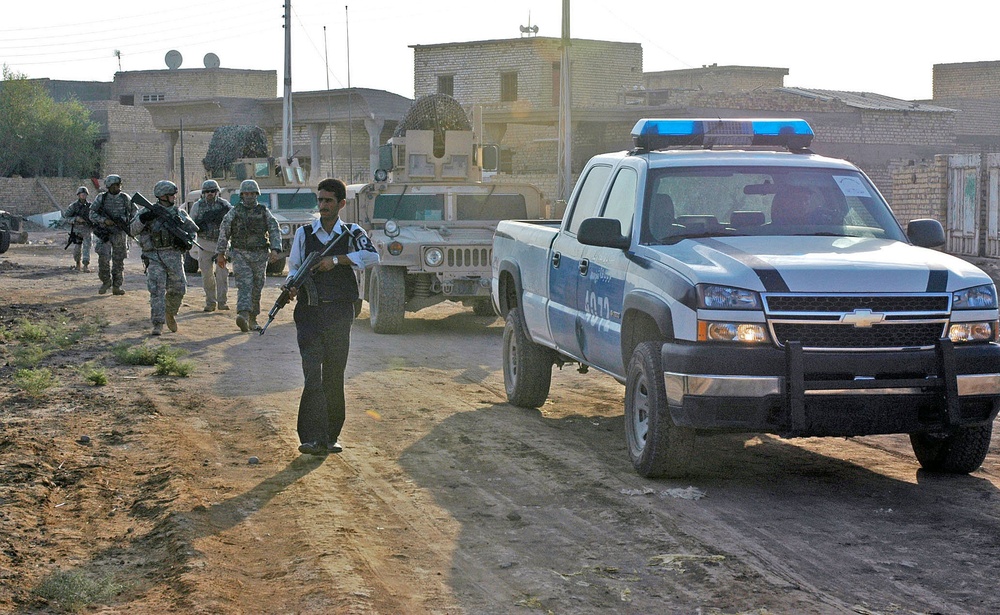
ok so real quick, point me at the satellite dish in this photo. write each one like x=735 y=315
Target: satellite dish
x=211 y=60
x=173 y=59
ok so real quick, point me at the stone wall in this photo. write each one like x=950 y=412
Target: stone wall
x=29 y=196
x=717 y=78
x=966 y=80
x=195 y=83
x=920 y=189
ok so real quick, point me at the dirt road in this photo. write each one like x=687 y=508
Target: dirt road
x=445 y=499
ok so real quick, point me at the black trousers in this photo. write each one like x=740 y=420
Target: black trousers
x=323 y=333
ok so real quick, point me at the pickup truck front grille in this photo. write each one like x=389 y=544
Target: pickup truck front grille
x=858 y=322
x=468 y=258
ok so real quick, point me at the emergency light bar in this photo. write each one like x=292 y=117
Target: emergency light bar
x=653 y=134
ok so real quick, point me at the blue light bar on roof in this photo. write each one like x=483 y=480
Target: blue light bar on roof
x=652 y=134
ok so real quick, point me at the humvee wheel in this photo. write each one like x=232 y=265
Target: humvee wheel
x=387 y=299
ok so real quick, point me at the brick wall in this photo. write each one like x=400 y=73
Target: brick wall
x=601 y=69
x=717 y=78
x=29 y=196
x=966 y=80
x=195 y=83
x=920 y=189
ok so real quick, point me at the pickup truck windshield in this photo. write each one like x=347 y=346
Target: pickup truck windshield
x=707 y=201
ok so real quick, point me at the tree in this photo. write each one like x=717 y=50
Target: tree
x=40 y=137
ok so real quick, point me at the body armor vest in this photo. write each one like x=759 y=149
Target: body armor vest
x=336 y=285
x=249 y=228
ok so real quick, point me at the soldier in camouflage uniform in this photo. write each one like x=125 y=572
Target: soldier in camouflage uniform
x=249 y=229
x=208 y=212
x=163 y=253
x=110 y=213
x=78 y=213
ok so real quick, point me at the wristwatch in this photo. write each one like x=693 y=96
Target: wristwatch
x=336 y=261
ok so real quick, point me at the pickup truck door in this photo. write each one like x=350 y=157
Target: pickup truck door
x=565 y=287
x=603 y=284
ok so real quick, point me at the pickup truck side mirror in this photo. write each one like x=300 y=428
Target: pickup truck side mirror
x=602 y=232
x=926 y=233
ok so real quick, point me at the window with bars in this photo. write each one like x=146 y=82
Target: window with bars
x=153 y=97
x=446 y=84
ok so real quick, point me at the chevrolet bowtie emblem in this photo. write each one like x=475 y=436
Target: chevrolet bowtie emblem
x=862 y=318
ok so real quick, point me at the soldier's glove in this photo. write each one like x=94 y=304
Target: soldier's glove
x=146 y=216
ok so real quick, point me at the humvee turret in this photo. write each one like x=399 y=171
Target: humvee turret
x=431 y=216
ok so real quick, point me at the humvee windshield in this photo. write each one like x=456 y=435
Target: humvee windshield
x=305 y=199
x=492 y=207
x=410 y=206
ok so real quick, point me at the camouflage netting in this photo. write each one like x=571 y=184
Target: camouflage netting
x=437 y=112
x=232 y=142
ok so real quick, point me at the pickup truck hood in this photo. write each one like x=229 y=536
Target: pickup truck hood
x=819 y=264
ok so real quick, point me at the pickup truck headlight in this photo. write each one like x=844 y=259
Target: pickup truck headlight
x=433 y=257
x=716 y=297
x=972 y=332
x=739 y=332
x=285 y=229
x=976 y=298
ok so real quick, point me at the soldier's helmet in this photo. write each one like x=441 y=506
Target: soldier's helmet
x=111 y=180
x=209 y=184
x=82 y=190
x=249 y=185
x=163 y=188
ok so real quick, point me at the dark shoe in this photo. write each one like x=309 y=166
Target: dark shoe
x=334 y=447
x=117 y=290
x=312 y=448
x=223 y=306
x=86 y=267
x=104 y=288
x=209 y=307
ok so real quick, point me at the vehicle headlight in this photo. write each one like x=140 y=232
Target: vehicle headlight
x=395 y=248
x=739 y=332
x=391 y=228
x=285 y=229
x=972 y=332
x=975 y=298
x=727 y=298
x=433 y=257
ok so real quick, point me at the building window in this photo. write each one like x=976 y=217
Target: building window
x=127 y=100
x=446 y=84
x=508 y=87
x=153 y=97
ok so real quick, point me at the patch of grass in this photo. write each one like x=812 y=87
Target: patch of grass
x=27 y=331
x=167 y=366
x=93 y=374
x=144 y=354
x=29 y=355
x=75 y=590
x=35 y=382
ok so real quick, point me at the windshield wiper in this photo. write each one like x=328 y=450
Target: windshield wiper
x=672 y=239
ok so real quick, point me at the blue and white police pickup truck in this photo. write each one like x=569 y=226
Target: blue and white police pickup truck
x=733 y=280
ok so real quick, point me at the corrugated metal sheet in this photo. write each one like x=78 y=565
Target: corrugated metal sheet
x=868 y=100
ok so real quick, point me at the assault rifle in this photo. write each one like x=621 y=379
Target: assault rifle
x=301 y=275
x=74 y=237
x=171 y=221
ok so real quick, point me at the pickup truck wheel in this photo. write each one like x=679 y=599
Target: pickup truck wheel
x=277 y=267
x=527 y=367
x=4 y=240
x=483 y=307
x=958 y=453
x=656 y=446
x=387 y=299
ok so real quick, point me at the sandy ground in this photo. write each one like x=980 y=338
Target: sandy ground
x=140 y=496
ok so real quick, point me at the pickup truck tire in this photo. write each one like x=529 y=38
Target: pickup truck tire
x=656 y=446
x=958 y=453
x=277 y=267
x=387 y=299
x=4 y=240
x=527 y=367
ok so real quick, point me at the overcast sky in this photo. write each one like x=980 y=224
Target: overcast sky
x=884 y=46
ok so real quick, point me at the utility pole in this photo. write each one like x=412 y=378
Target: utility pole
x=565 y=154
x=329 y=104
x=350 y=118
x=286 y=110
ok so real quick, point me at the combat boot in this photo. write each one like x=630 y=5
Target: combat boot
x=76 y=268
x=171 y=323
x=86 y=267
x=223 y=306
x=117 y=290
x=243 y=321
x=104 y=288
x=253 y=324
x=157 y=329
x=209 y=307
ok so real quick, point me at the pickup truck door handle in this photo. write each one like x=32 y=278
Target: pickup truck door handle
x=584 y=266
x=556 y=257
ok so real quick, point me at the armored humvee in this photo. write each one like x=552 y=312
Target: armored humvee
x=431 y=216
